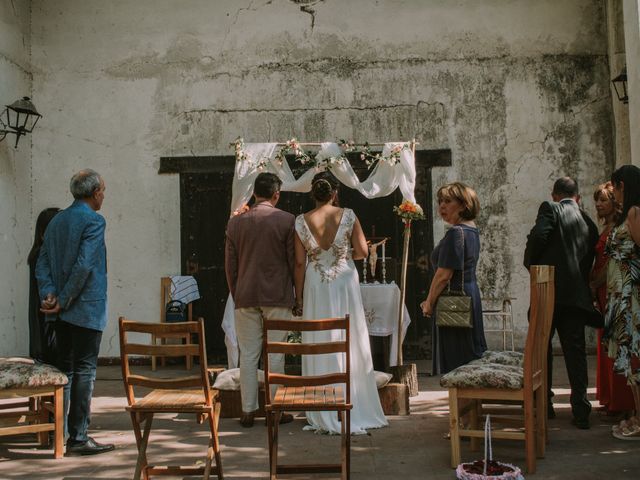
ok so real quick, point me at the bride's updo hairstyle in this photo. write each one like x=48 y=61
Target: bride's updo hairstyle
x=323 y=185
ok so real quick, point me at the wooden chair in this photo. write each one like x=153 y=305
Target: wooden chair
x=187 y=394
x=165 y=297
x=473 y=386
x=38 y=388
x=505 y=316
x=297 y=393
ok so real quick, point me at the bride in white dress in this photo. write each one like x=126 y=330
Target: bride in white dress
x=327 y=276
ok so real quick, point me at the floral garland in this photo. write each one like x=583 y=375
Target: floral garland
x=292 y=146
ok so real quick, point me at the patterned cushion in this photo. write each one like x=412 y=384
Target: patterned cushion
x=20 y=373
x=484 y=375
x=507 y=357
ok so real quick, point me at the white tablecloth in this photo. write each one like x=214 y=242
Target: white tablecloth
x=380 y=309
x=380 y=303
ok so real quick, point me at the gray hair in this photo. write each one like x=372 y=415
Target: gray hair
x=84 y=183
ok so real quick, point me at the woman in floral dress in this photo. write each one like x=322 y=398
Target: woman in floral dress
x=622 y=319
x=611 y=389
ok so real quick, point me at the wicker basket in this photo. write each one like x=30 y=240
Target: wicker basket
x=488 y=469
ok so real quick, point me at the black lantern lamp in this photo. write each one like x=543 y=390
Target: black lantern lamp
x=18 y=118
x=620 y=84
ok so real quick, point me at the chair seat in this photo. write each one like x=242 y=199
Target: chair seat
x=506 y=357
x=23 y=374
x=484 y=375
x=172 y=400
x=309 y=398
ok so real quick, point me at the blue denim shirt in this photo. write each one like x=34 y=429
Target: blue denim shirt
x=73 y=266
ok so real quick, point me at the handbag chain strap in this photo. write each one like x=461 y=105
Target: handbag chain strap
x=463 y=252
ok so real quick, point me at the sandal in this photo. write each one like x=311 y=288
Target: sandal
x=630 y=423
x=628 y=433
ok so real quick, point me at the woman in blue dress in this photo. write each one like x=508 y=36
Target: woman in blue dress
x=454 y=260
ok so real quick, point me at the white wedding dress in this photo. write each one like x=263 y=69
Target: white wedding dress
x=331 y=289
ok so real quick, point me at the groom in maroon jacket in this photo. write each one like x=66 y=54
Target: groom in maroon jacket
x=259 y=263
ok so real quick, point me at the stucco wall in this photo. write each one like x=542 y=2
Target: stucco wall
x=518 y=90
x=15 y=181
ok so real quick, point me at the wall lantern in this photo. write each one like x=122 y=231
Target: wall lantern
x=18 y=118
x=620 y=84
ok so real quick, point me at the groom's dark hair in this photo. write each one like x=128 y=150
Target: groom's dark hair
x=266 y=185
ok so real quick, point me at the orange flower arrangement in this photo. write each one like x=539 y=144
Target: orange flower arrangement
x=241 y=210
x=409 y=211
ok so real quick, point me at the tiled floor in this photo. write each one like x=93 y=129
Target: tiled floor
x=412 y=447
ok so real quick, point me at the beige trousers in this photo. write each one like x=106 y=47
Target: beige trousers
x=248 y=323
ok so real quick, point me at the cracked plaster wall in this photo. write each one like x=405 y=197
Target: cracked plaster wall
x=15 y=181
x=519 y=93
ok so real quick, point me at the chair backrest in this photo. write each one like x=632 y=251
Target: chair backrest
x=341 y=346
x=540 y=319
x=128 y=349
x=165 y=297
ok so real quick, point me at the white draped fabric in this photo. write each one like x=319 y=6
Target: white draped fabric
x=261 y=157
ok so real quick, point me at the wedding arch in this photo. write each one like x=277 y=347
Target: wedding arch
x=392 y=168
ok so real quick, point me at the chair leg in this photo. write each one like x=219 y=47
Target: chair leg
x=38 y=406
x=215 y=441
x=474 y=422
x=153 y=357
x=529 y=433
x=189 y=359
x=454 y=427
x=348 y=441
x=541 y=420
x=275 y=422
x=142 y=440
x=58 y=420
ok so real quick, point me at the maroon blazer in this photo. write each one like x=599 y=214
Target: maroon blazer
x=259 y=257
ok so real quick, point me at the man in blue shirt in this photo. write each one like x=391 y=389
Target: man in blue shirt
x=72 y=281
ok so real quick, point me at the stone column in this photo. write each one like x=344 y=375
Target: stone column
x=632 y=49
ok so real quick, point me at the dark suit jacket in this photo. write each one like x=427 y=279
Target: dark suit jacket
x=73 y=266
x=564 y=236
x=260 y=258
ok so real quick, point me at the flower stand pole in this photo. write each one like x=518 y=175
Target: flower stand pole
x=405 y=374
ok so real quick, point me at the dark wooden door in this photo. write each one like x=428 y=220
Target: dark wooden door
x=205 y=192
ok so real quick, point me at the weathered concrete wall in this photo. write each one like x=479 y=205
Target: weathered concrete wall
x=15 y=181
x=631 y=9
x=519 y=93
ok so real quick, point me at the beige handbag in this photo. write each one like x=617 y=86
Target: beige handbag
x=454 y=309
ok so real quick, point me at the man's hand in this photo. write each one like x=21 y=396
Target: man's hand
x=297 y=309
x=50 y=305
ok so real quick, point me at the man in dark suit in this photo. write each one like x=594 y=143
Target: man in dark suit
x=564 y=236
x=72 y=280
x=259 y=264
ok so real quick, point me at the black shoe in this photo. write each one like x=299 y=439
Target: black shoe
x=90 y=447
x=551 y=412
x=581 y=423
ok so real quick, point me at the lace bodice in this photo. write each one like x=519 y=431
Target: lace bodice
x=329 y=263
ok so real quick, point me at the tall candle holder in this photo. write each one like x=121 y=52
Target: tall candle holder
x=364 y=270
x=384 y=264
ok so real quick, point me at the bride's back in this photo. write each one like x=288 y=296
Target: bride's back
x=324 y=222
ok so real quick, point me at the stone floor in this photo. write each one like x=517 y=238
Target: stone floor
x=412 y=447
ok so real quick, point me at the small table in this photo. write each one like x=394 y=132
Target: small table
x=380 y=301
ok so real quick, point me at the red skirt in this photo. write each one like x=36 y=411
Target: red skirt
x=611 y=388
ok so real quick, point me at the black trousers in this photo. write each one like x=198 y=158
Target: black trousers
x=569 y=323
x=78 y=358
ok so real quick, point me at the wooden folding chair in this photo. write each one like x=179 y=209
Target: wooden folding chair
x=296 y=393
x=186 y=394
x=473 y=386
x=165 y=297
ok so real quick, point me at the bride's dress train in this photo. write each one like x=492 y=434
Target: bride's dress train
x=331 y=289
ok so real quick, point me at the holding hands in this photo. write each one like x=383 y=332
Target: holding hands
x=49 y=305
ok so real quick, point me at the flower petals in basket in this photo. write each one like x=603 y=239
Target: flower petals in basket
x=488 y=469
x=495 y=471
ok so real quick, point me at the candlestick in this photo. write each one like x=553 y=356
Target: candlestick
x=384 y=265
x=364 y=270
